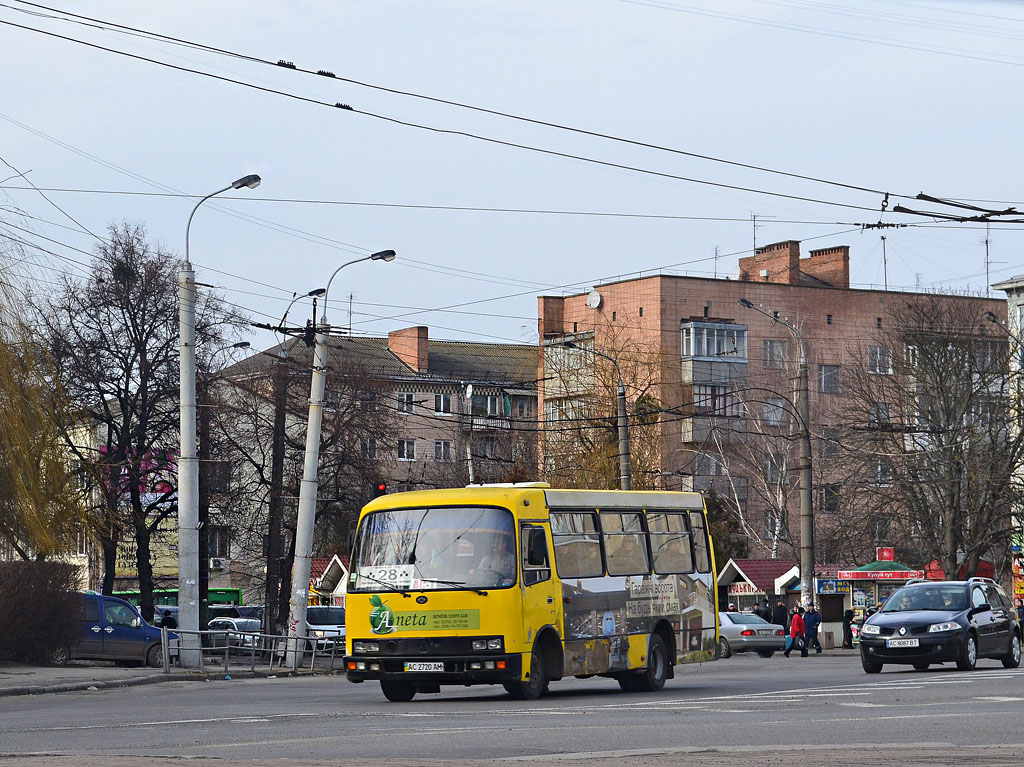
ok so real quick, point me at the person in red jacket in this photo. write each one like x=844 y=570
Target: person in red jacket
x=796 y=633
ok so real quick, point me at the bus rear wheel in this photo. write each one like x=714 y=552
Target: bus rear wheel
x=397 y=692
x=535 y=686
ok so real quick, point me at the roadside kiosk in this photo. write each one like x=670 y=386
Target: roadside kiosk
x=875 y=582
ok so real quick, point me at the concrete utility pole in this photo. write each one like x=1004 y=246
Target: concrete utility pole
x=308 y=489
x=803 y=409
x=625 y=478
x=188 y=465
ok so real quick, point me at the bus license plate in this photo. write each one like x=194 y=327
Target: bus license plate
x=424 y=666
x=901 y=643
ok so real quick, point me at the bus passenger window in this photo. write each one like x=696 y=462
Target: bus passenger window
x=670 y=542
x=625 y=543
x=701 y=549
x=577 y=544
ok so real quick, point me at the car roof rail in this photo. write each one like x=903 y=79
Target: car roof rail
x=979 y=579
x=915 y=580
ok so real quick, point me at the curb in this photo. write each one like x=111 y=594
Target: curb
x=143 y=680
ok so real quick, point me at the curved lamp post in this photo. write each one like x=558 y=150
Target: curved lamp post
x=803 y=409
x=308 y=489
x=188 y=466
x=625 y=479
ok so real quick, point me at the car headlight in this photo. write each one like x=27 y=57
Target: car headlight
x=319 y=633
x=870 y=628
x=947 y=626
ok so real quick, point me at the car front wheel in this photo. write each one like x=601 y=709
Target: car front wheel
x=968 y=654
x=870 y=666
x=1012 y=657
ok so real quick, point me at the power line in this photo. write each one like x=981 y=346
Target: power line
x=446 y=131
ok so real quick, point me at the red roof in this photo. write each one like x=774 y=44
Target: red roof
x=763 y=572
x=317 y=567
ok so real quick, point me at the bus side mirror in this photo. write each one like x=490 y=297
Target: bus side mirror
x=537 y=548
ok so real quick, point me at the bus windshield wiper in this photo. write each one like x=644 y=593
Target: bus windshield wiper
x=392 y=588
x=458 y=584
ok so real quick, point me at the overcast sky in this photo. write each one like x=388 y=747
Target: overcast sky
x=898 y=96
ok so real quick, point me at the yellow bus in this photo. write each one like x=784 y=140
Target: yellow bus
x=521 y=585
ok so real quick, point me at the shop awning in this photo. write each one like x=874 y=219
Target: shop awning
x=880 y=570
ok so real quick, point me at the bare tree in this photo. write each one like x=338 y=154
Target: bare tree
x=932 y=430
x=113 y=337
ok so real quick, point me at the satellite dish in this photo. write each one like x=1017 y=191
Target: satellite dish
x=469 y=391
x=594 y=299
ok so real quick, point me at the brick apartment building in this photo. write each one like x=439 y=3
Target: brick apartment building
x=723 y=375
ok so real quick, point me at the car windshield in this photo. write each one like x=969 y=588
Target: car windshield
x=248 y=624
x=435 y=548
x=947 y=598
x=325 y=616
x=746 y=619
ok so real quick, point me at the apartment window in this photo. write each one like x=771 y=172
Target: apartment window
x=217 y=475
x=774 y=470
x=487 y=447
x=773 y=528
x=406 y=450
x=368 y=448
x=368 y=401
x=830 y=446
x=828 y=319
x=641 y=311
x=878 y=322
x=442 y=403
x=880 y=475
x=774 y=354
x=880 y=360
x=332 y=398
x=829 y=501
x=405 y=401
x=443 y=450
x=524 y=408
x=82 y=543
x=775 y=412
x=716 y=400
x=828 y=379
x=728 y=342
x=220 y=542
x=878 y=415
x=486 y=404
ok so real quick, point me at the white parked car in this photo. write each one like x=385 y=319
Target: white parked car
x=327 y=626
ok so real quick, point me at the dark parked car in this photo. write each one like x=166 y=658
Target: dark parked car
x=928 y=622
x=113 y=630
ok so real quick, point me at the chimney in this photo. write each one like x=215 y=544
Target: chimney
x=550 y=315
x=410 y=346
x=778 y=263
x=831 y=265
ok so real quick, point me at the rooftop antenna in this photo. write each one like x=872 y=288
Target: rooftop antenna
x=716 y=262
x=350 y=314
x=988 y=263
x=753 y=218
x=885 y=266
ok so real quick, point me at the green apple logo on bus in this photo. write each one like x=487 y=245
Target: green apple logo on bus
x=382 y=620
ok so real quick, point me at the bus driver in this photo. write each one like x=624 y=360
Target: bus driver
x=500 y=562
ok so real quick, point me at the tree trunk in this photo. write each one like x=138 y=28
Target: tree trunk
x=284 y=596
x=274 y=511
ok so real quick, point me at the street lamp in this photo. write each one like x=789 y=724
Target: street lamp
x=188 y=466
x=307 y=490
x=803 y=409
x=625 y=481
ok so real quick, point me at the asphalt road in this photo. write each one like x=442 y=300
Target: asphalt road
x=745 y=711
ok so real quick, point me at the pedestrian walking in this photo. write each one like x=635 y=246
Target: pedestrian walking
x=779 y=617
x=796 y=633
x=812 y=621
x=848 y=630
x=1020 y=610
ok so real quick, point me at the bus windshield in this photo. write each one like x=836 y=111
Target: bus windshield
x=464 y=547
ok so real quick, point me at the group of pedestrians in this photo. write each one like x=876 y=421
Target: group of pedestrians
x=802 y=626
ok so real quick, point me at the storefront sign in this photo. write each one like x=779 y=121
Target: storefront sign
x=885 y=554
x=833 y=586
x=879 y=575
x=743 y=588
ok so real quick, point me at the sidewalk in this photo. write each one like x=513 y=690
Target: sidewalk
x=17 y=679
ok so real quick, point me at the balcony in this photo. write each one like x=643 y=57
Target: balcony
x=484 y=423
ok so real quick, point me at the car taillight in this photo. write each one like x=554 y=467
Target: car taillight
x=748 y=633
x=780 y=633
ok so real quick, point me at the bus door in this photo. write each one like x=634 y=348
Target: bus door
x=540 y=591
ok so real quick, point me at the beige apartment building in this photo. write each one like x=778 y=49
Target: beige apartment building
x=721 y=377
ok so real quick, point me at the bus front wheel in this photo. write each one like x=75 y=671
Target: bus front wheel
x=397 y=692
x=653 y=677
x=535 y=686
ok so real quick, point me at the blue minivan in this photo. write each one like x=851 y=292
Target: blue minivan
x=112 y=629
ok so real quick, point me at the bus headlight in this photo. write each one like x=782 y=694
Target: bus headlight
x=361 y=647
x=482 y=645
